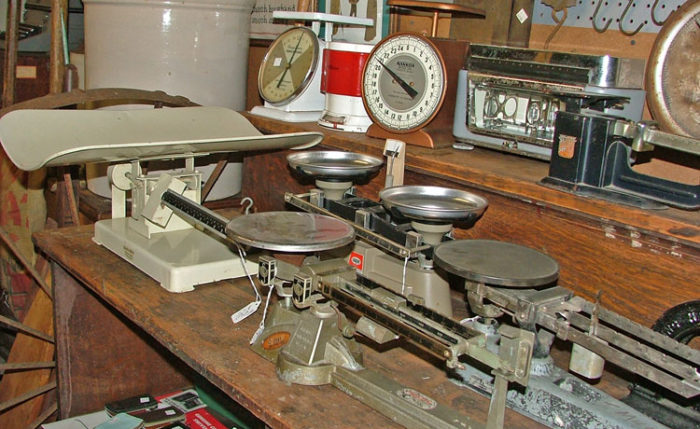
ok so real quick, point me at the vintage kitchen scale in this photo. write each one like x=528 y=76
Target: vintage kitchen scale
x=291 y=75
x=159 y=243
x=303 y=78
x=408 y=89
x=583 y=114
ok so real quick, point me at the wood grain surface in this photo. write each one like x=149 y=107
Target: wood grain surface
x=195 y=328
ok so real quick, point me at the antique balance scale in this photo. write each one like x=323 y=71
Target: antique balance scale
x=408 y=231
x=511 y=289
x=310 y=340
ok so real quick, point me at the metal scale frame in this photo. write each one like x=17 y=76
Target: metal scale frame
x=501 y=280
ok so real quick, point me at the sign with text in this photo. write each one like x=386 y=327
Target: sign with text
x=262 y=25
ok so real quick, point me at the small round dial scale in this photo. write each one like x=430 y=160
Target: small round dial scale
x=288 y=65
x=430 y=91
x=291 y=73
x=289 y=76
x=403 y=87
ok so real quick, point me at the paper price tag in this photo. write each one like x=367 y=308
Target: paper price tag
x=245 y=311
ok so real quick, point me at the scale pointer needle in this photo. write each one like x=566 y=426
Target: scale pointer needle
x=402 y=83
x=289 y=63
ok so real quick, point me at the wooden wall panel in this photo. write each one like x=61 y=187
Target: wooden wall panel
x=101 y=356
x=32 y=79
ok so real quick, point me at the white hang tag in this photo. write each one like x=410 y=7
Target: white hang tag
x=245 y=311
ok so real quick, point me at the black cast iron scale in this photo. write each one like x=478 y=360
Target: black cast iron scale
x=592 y=154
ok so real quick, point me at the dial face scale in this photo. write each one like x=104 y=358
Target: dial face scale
x=288 y=65
x=403 y=83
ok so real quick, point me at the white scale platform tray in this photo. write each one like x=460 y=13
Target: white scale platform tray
x=178 y=260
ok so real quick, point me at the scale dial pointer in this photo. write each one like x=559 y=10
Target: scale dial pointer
x=291 y=60
x=402 y=83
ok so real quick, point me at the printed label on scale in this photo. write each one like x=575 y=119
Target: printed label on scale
x=356 y=260
x=276 y=340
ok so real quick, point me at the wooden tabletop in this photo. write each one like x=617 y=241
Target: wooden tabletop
x=196 y=327
x=513 y=176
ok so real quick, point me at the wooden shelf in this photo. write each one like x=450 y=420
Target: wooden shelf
x=510 y=175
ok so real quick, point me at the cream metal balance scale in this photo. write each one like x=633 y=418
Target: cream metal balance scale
x=155 y=240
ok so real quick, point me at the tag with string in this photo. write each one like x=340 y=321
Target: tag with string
x=245 y=311
x=252 y=307
x=261 y=327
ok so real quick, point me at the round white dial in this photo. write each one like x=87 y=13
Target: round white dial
x=403 y=82
x=288 y=65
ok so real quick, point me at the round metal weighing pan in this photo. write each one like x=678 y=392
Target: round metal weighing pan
x=290 y=231
x=496 y=263
x=334 y=164
x=433 y=203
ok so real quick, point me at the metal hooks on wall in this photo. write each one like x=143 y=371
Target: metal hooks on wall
x=622 y=21
x=595 y=19
x=631 y=16
x=653 y=14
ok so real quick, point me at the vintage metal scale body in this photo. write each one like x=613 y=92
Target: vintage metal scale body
x=508 y=98
x=500 y=279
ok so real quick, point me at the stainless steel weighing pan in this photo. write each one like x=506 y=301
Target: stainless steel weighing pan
x=433 y=203
x=290 y=231
x=336 y=165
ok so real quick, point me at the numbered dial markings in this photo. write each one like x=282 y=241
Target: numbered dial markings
x=403 y=83
x=288 y=65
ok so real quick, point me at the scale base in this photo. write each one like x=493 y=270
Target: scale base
x=178 y=260
x=430 y=138
x=602 y=193
x=344 y=113
x=287 y=116
x=344 y=122
x=309 y=349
